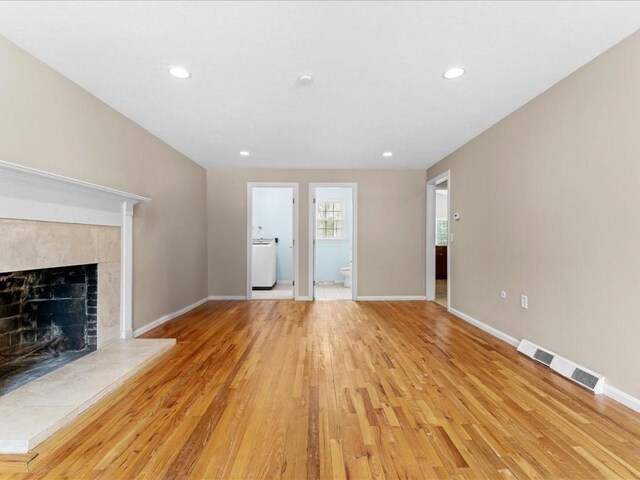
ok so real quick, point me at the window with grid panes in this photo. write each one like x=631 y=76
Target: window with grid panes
x=442 y=232
x=330 y=220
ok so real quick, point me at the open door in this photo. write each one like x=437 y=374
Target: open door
x=272 y=226
x=439 y=240
x=333 y=241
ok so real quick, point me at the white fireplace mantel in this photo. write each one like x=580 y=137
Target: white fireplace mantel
x=30 y=194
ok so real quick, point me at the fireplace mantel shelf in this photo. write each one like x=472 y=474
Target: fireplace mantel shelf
x=31 y=194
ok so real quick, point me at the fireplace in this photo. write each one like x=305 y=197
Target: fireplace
x=82 y=235
x=48 y=317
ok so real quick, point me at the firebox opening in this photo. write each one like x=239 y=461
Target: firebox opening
x=48 y=317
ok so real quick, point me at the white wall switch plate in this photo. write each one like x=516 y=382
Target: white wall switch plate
x=503 y=295
x=524 y=301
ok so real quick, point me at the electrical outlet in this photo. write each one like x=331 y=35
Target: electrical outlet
x=503 y=295
x=524 y=301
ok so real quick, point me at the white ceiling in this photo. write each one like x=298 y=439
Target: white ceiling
x=377 y=69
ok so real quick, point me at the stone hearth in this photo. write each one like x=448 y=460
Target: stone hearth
x=34 y=411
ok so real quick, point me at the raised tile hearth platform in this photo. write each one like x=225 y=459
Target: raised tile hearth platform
x=31 y=413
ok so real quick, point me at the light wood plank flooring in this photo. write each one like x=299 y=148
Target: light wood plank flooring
x=282 y=389
x=441 y=292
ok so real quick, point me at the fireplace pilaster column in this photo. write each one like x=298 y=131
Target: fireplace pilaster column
x=126 y=274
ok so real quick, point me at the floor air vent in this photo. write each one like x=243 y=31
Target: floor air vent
x=566 y=368
x=584 y=378
x=543 y=357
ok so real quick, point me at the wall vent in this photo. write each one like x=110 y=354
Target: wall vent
x=543 y=357
x=578 y=374
x=584 y=378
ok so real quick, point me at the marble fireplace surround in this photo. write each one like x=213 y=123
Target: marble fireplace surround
x=31 y=245
x=48 y=220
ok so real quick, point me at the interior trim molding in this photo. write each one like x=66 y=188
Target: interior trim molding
x=226 y=297
x=32 y=194
x=392 y=298
x=430 y=232
x=621 y=397
x=354 y=234
x=295 y=187
x=164 y=319
x=305 y=298
x=487 y=328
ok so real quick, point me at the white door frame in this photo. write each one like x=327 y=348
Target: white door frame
x=295 y=187
x=431 y=236
x=354 y=234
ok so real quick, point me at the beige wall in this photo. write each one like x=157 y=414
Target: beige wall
x=550 y=206
x=48 y=122
x=391 y=227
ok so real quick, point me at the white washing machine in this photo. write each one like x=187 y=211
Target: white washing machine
x=263 y=266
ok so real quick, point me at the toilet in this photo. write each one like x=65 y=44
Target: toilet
x=346 y=271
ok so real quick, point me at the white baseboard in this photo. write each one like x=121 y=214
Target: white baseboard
x=156 y=323
x=487 y=328
x=611 y=392
x=624 y=398
x=226 y=297
x=303 y=298
x=397 y=298
x=243 y=297
x=284 y=282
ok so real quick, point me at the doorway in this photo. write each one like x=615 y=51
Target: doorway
x=272 y=225
x=439 y=240
x=333 y=241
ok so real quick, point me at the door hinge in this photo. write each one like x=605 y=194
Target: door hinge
x=314 y=200
x=314 y=242
x=294 y=200
x=314 y=283
x=294 y=242
x=293 y=284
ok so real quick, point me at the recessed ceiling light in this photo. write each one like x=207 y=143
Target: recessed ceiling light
x=387 y=154
x=305 y=79
x=453 y=72
x=245 y=153
x=179 y=72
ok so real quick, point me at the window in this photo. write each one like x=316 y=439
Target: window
x=330 y=220
x=442 y=232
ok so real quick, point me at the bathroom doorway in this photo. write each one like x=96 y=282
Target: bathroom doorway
x=333 y=241
x=439 y=240
x=271 y=241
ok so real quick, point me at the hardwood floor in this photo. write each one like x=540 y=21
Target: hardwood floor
x=441 y=292
x=271 y=389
